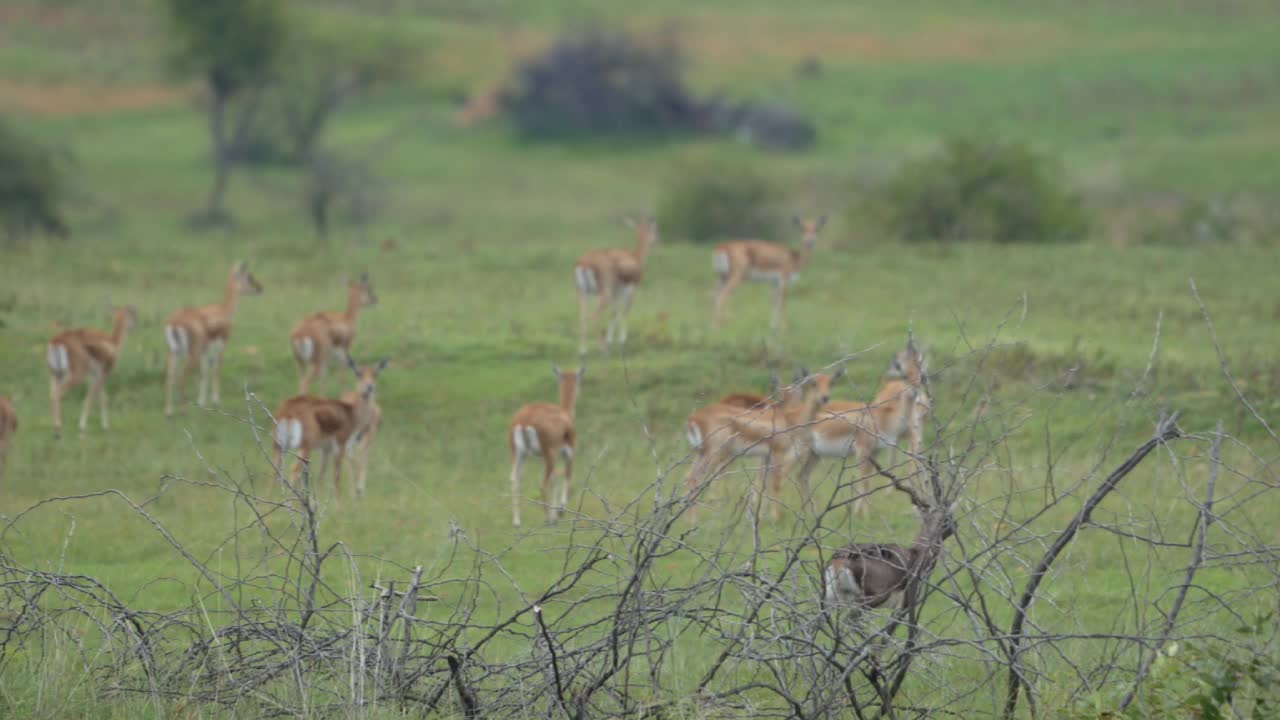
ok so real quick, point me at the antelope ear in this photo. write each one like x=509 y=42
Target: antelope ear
x=582 y=372
x=382 y=365
x=242 y=266
x=556 y=370
x=822 y=222
x=795 y=219
x=351 y=363
x=839 y=373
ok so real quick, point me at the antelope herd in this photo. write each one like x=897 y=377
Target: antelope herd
x=798 y=429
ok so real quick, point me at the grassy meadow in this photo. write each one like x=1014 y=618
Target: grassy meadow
x=1143 y=102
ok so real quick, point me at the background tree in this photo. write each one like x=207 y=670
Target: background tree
x=234 y=47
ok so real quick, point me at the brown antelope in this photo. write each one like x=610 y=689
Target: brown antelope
x=612 y=275
x=760 y=261
x=895 y=418
x=863 y=576
x=80 y=353
x=8 y=426
x=200 y=334
x=321 y=337
x=363 y=440
x=721 y=432
x=755 y=401
x=305 y=423
x=547 y=430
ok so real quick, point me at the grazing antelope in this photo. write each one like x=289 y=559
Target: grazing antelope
x=613 y=276
x=74 y=355
x=863 y=576
x=305 y=423
x=199 y=335
x=760 y=261
x=721 y=432
x=547 y=430
x=895 y=418
x=8 y=426
x=320 y=337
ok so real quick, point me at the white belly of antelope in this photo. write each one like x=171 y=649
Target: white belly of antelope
x=773 y=277
x=838 y=446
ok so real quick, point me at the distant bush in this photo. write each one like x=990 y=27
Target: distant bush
x=710 y=197
x=979 y=189
x=771 y=126
x=32 y=186
x=1199 y=222
x=600 y=82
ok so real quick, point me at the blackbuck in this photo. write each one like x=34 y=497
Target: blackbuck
x=612 y=276
x=333 y=426
x=864 y=576
x=198 y=335
x=547 y=430
x=8 y=426
x=895 y=418
x=720 y=432
x=766 y=262
x=85 y=353
x=320 y=338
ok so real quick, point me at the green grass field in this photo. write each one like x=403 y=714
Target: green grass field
x=1146 y=101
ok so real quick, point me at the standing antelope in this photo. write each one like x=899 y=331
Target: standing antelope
x=363 y=439
x=613 y=276
x=895 y=418
x=320 y=337
x=721 y=432
x=546 y=429
x=74 y=355
x=760 y=261
x=8 y=426
x=305 y=423
x=863 y=576
x=199 y=335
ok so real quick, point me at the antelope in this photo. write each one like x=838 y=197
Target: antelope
x=8 y=426
x=760 y=261
x=546 y=429
x=895 y=418
x=363 y=440
x=80 y=353
x=305 y=423
x=612 y=275
x=320 y=337
x=721 y=432
x=864 y=576
x=199 y=335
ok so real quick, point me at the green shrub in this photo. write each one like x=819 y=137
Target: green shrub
x=710 y=198
x=601 y=83
x=981 y=189
x=32 y=186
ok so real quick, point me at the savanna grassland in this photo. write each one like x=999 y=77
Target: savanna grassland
x=1146 y=103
